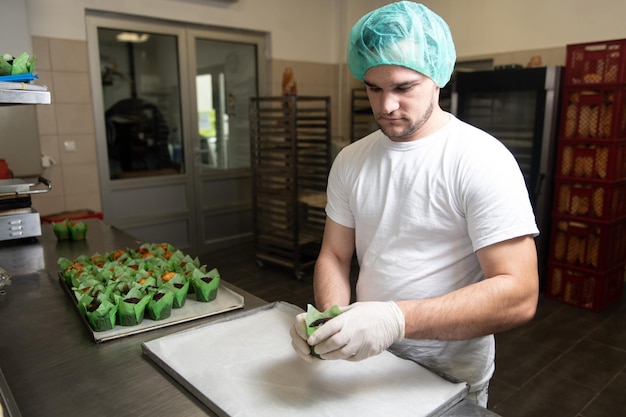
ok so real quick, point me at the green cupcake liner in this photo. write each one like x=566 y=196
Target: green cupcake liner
x=206 y=286
x=160 y=305
x=315 y=319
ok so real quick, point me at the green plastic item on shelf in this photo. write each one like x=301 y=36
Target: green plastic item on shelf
x=14 y=66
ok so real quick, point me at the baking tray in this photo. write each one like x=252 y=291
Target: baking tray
x=226 y=300
x=244 y=365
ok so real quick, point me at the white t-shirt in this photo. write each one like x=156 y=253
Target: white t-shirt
x=420 y=210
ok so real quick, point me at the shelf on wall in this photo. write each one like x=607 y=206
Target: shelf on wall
x=24 y=97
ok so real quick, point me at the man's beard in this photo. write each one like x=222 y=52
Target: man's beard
x=412 y=128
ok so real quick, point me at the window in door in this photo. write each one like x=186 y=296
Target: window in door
x=226 y=78
x=141 y=100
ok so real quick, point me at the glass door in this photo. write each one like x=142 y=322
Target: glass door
x=226 y=78
x=209 y=97
x=170 y=109
x=226 y=75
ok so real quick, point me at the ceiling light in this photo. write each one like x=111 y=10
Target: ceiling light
x=132 y=37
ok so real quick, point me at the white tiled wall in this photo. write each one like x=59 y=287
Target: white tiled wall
x=66 y=127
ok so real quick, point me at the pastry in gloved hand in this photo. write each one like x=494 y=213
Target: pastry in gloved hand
x=363 y=329
x=304 y=325
x=315 y=319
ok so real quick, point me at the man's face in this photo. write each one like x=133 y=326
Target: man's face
x=402 y=101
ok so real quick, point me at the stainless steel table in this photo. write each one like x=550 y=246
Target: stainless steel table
x=47 y=355
x=50 y=363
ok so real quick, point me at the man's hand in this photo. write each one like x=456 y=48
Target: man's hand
x=298 y=338
x=363 y=329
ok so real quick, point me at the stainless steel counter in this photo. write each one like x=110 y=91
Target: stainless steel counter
x=48 y=357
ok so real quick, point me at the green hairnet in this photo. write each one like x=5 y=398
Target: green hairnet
x=406 y=34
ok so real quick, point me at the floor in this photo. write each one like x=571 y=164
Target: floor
x=568 y=362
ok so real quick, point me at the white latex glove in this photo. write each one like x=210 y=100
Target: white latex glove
x=298 y=338
x=363 y=329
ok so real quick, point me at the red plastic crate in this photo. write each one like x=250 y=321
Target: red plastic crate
x=593 y=113
x=586 y=289
x=592 y=200
x=598 y=246
x=595 y=63
x=599 y=160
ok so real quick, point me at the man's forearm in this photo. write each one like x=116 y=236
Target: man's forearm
x=331 y=282
x=490 y=306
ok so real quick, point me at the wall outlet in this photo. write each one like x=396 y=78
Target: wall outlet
x=69 y=146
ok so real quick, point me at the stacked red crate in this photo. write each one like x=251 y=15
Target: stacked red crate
x=588 y=236
x=596 y=63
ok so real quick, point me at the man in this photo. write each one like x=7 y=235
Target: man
x=437 y=211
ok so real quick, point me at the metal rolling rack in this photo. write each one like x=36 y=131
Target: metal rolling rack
x=290 y=157
x=362 y=122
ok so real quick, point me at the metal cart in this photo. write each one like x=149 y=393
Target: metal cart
x=290 y=142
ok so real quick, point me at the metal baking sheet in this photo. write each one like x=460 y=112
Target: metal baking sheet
x=226 y=300
x=244 y=365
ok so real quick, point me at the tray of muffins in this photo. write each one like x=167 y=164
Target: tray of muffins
x=134 y=290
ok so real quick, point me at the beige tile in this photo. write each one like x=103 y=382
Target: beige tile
x=54 y=200
x=325 y=73
x=55 y=175
x=278 y=68
x=554 y=56
x=47 y=204
x=507 y=58
x=45 y=78
x=71 y=87
x=46 y=119
x=68 y=55
x=88 y=201
x=41 y=50
x=74 y=119
x=85 y=152
x=318 y=90
x=80 y=179
x=307 y=72
x=351 y=81
x=549 y=57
